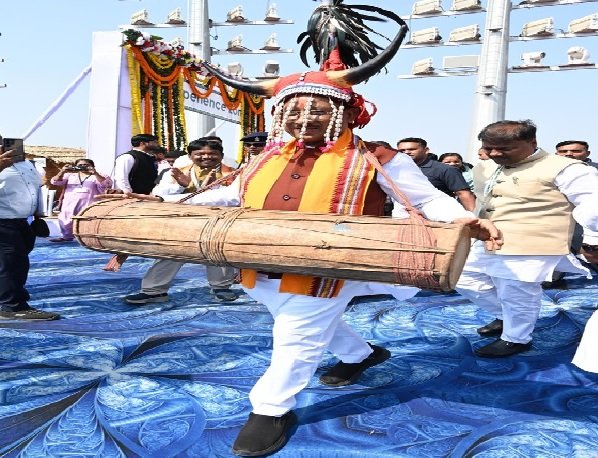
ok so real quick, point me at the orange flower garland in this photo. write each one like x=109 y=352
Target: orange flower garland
x=157 y=71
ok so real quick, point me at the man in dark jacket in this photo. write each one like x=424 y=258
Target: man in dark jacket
x=135 y=170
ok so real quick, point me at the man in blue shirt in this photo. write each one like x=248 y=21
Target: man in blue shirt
x=19 y=191
x=443 y=177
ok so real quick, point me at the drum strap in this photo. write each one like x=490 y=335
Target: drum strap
x=416 y=266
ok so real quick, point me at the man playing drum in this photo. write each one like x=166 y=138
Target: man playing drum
x=320 y=169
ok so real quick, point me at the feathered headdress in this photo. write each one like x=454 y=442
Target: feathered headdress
x=339 y=37
x=341 y=27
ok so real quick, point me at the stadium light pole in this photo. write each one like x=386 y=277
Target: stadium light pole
x=199 y=44
x=491 y=87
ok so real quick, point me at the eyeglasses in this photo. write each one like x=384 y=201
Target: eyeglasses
x=295 y=114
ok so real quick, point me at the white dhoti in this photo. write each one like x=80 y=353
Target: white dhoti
x=304 y=328
x=510 y=286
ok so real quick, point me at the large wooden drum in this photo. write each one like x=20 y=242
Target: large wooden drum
x=334 y=246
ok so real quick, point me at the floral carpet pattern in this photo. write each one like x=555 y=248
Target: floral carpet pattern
x=171 y=379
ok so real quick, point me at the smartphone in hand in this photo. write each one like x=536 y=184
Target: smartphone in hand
x=16 y=145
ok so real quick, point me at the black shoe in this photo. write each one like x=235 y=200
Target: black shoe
x=500 y=348
x=263 y=434
x=143 y=298
x=29 y=314
x=224 y=294
x=556 y=284
x=491 y=329
x=342 y=374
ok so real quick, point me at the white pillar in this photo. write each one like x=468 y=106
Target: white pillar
x=199 y=45
x=491 y=88
x=109 y=128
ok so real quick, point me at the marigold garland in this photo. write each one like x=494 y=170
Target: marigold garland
x=157 y=72
x=147 y=109
x=136 y=116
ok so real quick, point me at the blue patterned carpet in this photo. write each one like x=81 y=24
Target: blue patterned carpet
x=171 y=379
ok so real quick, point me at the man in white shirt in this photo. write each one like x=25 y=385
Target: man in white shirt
x=19 y=193
x=135 y=170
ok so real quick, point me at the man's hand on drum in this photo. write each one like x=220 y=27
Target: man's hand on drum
x=483 y=229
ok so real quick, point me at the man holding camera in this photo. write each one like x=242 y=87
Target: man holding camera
x=19 y=192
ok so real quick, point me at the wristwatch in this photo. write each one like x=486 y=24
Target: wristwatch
x=589 y=248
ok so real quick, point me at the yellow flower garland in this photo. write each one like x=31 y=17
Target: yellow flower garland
x=181 y=96
x=161 y=62
x=147 y=69
x=136 y=117
x=157 y=105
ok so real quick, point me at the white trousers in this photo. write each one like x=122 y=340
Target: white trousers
x=160 y=276
x=516 y=302
x=304 y=328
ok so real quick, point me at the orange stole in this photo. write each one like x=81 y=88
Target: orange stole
x=337 y=185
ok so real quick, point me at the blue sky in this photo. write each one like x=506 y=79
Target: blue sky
x=46 y=44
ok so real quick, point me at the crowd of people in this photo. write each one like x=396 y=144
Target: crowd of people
x=536 y=209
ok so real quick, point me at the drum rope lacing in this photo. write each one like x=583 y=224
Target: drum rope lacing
x=412 y=267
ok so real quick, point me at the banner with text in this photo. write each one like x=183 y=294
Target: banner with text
x=212 y=105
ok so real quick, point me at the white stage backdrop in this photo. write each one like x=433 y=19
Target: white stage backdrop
x=109 y=131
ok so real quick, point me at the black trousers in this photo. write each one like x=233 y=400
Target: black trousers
x=16 y=242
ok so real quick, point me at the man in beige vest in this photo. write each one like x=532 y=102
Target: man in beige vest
x=534 y=198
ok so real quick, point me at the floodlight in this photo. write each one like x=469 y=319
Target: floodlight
x=423 y=67
x=541 y=27
x=235 y=69
x=271 y=43
x=468 y=33
x=578 y=55
x=271 y=69
x=452 y=62
x=425 y=36
x=236 y=44
x=174 y=17
x=533 y=59
x=584 y=24
x=466 y=5
x=272 y=14
x=427 y=7
x=235 y=15
x=140 y=18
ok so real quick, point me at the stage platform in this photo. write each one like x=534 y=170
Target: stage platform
x=171 y=379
